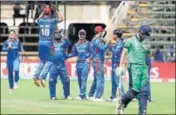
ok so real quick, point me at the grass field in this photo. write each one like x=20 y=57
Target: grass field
x=28 y=99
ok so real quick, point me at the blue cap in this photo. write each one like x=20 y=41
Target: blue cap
x=146 y=29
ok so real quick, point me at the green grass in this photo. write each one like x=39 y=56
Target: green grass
x=28 y=99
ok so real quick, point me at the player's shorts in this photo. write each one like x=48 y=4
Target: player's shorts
x=138 y=75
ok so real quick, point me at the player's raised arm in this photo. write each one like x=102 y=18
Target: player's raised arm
x=59 y=15
x=40 y=16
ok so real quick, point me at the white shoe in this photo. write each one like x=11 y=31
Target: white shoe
x=79 y=98
x=54 y=98
x=15 y=86
x=98 y=100
x=112 y=100
x=69 y=98
x=10 y=91
x=90 y=98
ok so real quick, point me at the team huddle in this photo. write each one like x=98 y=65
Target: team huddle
x=52 y=48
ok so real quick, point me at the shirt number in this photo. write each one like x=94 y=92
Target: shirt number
x=45 y=31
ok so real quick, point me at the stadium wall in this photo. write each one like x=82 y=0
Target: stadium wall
x=160 y=72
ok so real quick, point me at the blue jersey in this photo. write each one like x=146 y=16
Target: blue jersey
x=82 y=50
x=116 y=50
x=148 y=60
x=98 y=50
x=46 y=28
x=13 y=52
x=59 y=54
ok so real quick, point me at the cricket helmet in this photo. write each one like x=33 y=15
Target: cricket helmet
x=145 y=30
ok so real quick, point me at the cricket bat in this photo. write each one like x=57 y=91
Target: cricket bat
x=119 y=93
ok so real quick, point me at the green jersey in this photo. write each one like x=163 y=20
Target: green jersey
x=137 y=50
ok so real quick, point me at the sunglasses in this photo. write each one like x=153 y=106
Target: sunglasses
x=82 y=34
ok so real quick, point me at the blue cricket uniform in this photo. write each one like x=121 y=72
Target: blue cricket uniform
x=116 y=50
x=13 y=60
x=98 y=54
x=58 y=68
x=46 y=32
x=83 y=51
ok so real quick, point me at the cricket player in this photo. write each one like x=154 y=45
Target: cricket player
x=82 y=49
x=46 y=32
x=99 y=47
x=13 y=46
x=58 y=67
x=137 y=49
x=116 y=50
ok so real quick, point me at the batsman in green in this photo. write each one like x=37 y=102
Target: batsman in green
x=137 y=47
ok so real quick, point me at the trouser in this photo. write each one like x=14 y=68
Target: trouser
x=13 y=66
x=44 y=51
x=82 y=72
x=149 y=86
x=138 y=83
x=115 y=81
x=97 y=87
x=62 y=72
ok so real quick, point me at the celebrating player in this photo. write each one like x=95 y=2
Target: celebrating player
x=99 y=47
x=116 y=50
x=82 y=49
x=46 y=32
x=137 y=49
x=58 y=67
x=13 y=46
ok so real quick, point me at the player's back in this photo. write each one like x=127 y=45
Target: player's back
x=46 y=28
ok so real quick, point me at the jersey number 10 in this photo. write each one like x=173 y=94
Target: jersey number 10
x=45 y=32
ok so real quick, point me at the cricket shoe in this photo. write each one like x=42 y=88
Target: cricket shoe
x=68 y=97
x=15 y=86
x=90 y=98
x=10 y=91
x=98 y=100
x=112 y=100
x=43 y=82
x=36 y=82
x=79 y=98
x=54 y=98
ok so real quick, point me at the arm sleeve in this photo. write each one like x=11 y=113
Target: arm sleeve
x=5 y=46
x=101 y=46
x=73 y=52
x=88 y=53
x=66 y=42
